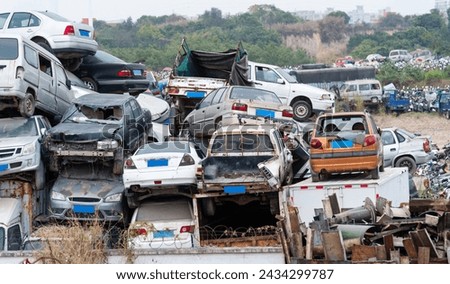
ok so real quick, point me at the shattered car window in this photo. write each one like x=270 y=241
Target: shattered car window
x=86 y=113
x=242 y=143
x=18 y=128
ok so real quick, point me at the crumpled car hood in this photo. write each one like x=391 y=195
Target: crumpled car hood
x=87 y=188
x=90 y=131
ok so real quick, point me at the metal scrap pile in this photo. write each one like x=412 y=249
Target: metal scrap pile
x=417 y=232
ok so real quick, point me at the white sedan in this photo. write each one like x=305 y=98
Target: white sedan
x=162 y=165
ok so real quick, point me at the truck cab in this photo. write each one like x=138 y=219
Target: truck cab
x=305 y=100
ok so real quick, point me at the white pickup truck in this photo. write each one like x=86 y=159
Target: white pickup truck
x=306 y=100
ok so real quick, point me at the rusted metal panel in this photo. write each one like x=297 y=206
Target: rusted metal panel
x=389 y=245
x=417 y=206
x=423 y=255
x=333 y=246
x=411 y=250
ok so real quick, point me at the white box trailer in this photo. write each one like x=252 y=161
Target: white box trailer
x=350 y=190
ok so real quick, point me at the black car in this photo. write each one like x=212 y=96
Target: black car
x=105 y=73
x=103 y=127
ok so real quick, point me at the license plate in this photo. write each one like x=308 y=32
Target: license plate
x=234 y=189
x=265 y=113
x=163 y=234
x=195 y=95
x=3 y=167
x=84 y=33
x=84 y=209
x=158 y=163
x=137 y=72
x=336 y=144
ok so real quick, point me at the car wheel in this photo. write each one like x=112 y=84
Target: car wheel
x=45 y=45
x=375 y=173
x=315 y=177
x=72 y=64
x=90 y=83
x=302 y=110
x=27 y=105
x=407 y=162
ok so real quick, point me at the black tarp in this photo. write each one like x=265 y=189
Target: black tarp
x=230 y=65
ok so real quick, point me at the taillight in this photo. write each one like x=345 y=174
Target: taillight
x=140 y=231
x=287 y=113
x=239 y=107
x=187 y=160
x=173 y=91
x=315 y=143
x=124 y=73
x=369 y=140
x=426 y=146
x=187 y=229
x=69 y=30
x=129 y=164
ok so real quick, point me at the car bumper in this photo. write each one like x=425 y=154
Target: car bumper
x=422 y=157
x=323 y=106
x=345 y=164
x=85 y=211
x=73 y=47
x=159 y=179
x=137 y=243
x=19 y=164
x=136 y=85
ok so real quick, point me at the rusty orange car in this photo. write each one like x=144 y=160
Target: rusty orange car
x=345 y=142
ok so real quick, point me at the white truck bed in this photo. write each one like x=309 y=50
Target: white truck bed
x=351 y=191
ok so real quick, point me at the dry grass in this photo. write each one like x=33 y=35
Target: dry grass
x=424 y=123
x=73 y=244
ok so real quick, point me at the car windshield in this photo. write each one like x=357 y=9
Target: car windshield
x=164 y=147
x=54 y=16
x=242 y=143
x=286 y=75
x=164 y=211
x=405 y=132
x=254 y=94
x=107 y=114
x=88 y=171
x=106 y=57
x=20 y=127
x=340 y=125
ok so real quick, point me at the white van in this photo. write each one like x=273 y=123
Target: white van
x=399 y=55
x=32 y=78
x=369 y=90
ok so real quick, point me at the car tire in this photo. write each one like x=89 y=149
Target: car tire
x=302 y=110
x=90 y=83
x=27 y=105
x=72 y=64
x=45 y=45
x=375 y=173
x=406 y=162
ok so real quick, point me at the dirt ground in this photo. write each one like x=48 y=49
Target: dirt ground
x=424 y=123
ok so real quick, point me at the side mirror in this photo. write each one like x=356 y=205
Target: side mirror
x=280 y=81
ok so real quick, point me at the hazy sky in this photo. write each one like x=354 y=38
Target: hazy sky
x=122 y=9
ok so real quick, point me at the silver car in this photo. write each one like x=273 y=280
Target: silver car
x=68 y=40
x=20 y=148
x=231 y=105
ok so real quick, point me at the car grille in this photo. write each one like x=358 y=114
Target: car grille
x=95 y=215
x=6 y=153
x=85 y=199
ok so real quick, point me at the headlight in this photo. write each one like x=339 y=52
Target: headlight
x=58 y=196
x=107 y=144
x=326 y=97
x=29 y=148
x=114 y=198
